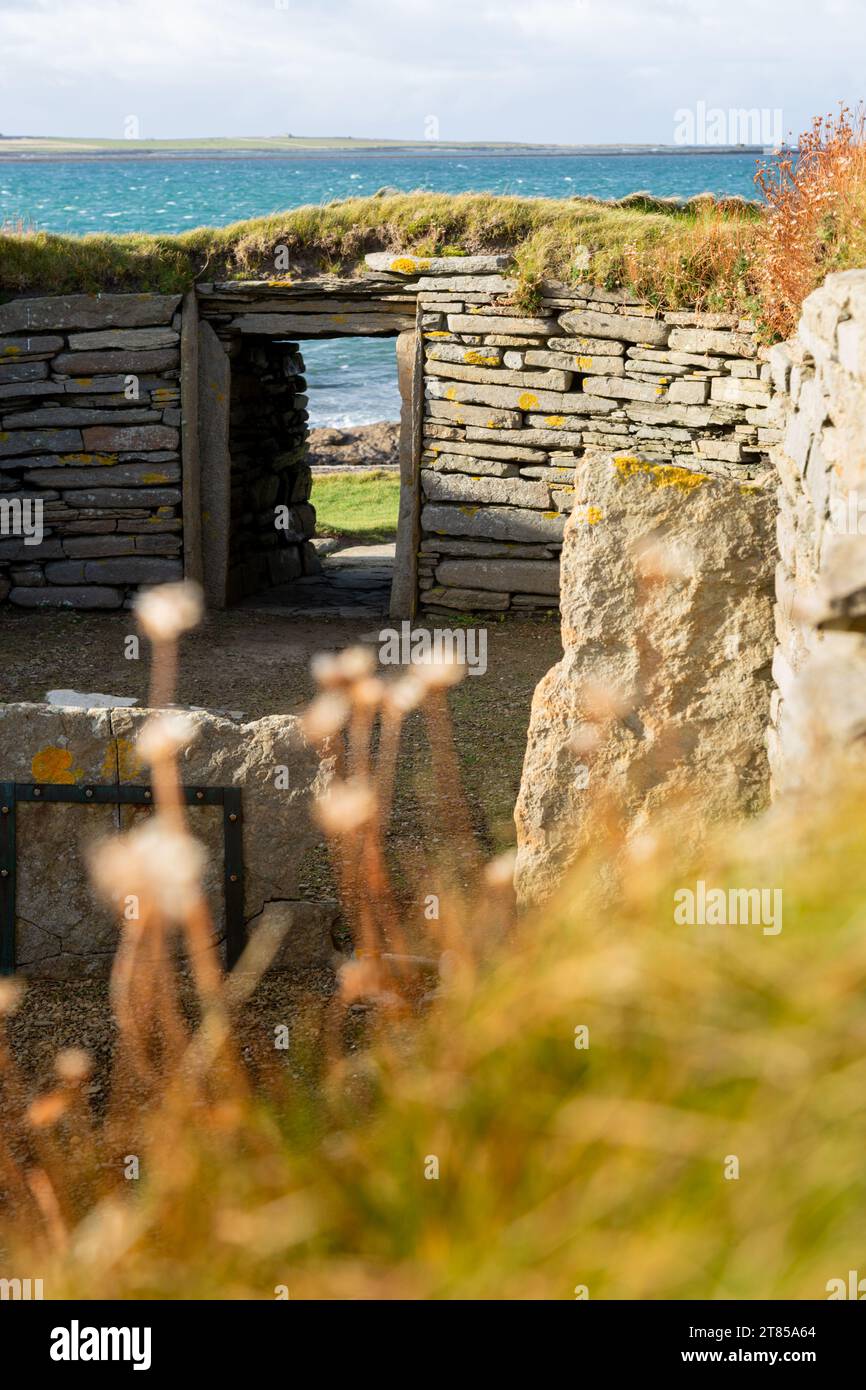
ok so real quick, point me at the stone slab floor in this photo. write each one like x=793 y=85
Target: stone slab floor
x=355 y=582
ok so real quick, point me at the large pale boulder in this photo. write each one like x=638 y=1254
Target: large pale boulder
x=661 y=698
x=61 y=930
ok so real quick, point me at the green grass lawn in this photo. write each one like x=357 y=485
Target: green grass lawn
x=360 y=507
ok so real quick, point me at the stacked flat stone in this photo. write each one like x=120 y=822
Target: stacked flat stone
x=268 y=432
x=501 y=406
x=513 y=401
x=90 y=412
x=818 y=709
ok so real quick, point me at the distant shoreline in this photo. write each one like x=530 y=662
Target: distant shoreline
x=25 y=149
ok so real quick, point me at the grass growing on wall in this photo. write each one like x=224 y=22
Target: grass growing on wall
x=357 y=506
x=675 y=253
x=759 y=259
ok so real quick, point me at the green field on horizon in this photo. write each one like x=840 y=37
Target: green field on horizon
x=298 y=144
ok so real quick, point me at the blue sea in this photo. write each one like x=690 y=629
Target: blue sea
x=351 y=381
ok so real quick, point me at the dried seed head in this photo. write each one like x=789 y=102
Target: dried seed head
x=404 y=695
x=165 y=735
x=333 y=672
x=170 y=609
x=156 y=864
x=367 y=693
x=324 y=716
x=326 y=670
x=46 y=1110
x=585 y=739
x=11 y=994
x=346 y=806
x=73 y=1064
x=663 y=559
x=604 y=702
x=499 y=873
x=439 y=672
x=359 y=978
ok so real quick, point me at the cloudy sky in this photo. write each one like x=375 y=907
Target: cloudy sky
x=569 y=71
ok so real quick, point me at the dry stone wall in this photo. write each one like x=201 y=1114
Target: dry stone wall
x=513 y=402
x=89 y=446
x=270 y=477
x=501 y=404
x=819 y=706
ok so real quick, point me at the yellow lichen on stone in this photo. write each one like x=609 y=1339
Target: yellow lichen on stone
x=660 y=474
x=527 y=401
x=554 y=421
x=477 y=359
x=468 y=511
x=583 y=364
x=408 y=265
x=129 y=763
x=97 y=460
x=53 y=764
x=154 y=478
x=437 y=333
x=451 y=393
x=10 y=351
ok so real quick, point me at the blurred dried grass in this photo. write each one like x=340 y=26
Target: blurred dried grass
x=557 y=1166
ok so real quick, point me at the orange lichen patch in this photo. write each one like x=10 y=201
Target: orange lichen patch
x=408 y=265
x=83 y=380
x=660 y=474
x=527 y=401
x=97 y=460
x=53 y=764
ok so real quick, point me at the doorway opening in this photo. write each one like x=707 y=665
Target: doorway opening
x=315 y=474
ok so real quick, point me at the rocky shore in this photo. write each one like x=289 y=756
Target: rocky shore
x=357 y=446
